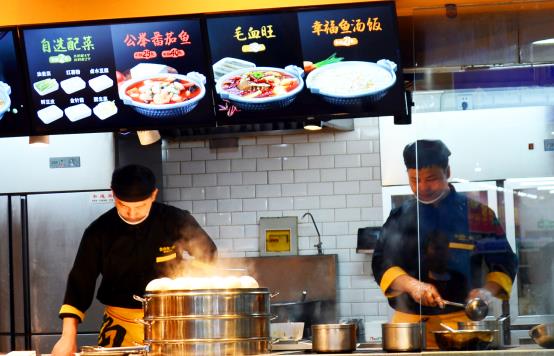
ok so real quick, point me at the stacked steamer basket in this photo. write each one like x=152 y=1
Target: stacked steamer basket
x=207 y=321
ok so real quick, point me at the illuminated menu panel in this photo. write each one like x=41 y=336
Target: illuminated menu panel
x=144 y=75
x=257 y=67
x=352 y=59
x=13 y=121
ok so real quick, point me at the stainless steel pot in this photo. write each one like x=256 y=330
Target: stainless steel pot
x=251 y=301
x=334 y=337
x=250 y=346
x=543 y=334
x=206 y=327
x=461 y=340
x=207 y=322
x=401 y=337
x=484 y=325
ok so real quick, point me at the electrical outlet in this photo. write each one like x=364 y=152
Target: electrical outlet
x=464 y=102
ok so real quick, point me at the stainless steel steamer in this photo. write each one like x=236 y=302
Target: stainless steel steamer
x=207 y=321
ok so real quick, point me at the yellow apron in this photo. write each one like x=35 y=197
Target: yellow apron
x=120 y=328
x=433 y=323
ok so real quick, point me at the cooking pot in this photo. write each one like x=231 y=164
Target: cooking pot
x=333 y=338
x=486 y=325
x=207 y=321
x=181 y=303
x=400 y=337
x=543 y=334
x=460 y=340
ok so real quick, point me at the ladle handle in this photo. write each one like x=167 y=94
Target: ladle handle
x=447 y=327
x=454 y=304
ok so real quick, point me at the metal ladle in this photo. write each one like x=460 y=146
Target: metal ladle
x=476 y=309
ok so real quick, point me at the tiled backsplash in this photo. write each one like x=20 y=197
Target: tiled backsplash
x=333 y=175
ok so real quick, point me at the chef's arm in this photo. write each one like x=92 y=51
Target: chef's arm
x=196 y=241
x=67 y=344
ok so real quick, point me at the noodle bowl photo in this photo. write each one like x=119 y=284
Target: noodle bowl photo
x=352 y=82
x=260 y=88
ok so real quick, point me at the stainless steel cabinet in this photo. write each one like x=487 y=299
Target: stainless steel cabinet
x=43 y=231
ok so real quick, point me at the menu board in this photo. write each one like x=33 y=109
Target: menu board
x=326 y=62
x=139 y=75
x=13 y=121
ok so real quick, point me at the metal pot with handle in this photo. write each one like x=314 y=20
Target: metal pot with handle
x=333 y=338
x=402 y=337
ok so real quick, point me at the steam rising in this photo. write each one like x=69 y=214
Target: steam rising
x=196 y=274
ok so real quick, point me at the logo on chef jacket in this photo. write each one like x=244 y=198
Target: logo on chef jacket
x=462 y=242
x=168 y=254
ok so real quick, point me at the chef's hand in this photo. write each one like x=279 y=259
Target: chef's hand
x=481 y=293
x=67 y=344
x=424 y=293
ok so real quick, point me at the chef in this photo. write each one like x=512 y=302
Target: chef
x=133 y=243
x=440 y=246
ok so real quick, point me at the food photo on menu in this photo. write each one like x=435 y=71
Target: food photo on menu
x=156 y=90
x=12 y=118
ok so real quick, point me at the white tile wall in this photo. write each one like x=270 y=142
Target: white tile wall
x=333 y=175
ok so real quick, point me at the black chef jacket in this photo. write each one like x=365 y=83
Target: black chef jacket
x=474 y=250
x=129 y=256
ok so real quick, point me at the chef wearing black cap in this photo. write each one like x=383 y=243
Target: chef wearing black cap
x=130 y=245
x=439 y=246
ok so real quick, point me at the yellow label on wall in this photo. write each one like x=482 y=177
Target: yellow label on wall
x=277 y=241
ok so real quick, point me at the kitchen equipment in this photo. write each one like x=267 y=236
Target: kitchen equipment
x=476 y=309
x=207 y=321
x=459 y=340
x=543 y=334
x=287 y=331
x=486 y=325
x=352 y=82
x=447 y=327
x=113 y=351
x=400 y=337
x=333 y=337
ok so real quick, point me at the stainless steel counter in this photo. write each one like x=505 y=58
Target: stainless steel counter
x=527 y=350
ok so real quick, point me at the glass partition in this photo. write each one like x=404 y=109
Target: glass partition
x=467 y=210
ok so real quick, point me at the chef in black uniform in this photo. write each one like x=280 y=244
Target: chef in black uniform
x=441 y=245
x=133 y=243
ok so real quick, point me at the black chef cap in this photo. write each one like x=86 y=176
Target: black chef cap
x=133 y=183
x=429 y=153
